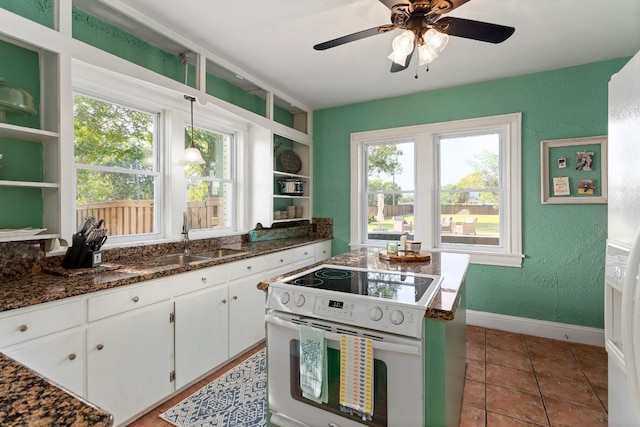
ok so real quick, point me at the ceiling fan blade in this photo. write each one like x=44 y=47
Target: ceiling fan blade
x=475 y=30
x=391 y=3
x=397 y=67
x=446 y=6
x=353 y=37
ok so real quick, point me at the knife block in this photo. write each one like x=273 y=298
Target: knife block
x=79 y=255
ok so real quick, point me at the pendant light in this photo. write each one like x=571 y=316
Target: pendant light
x=191 y=155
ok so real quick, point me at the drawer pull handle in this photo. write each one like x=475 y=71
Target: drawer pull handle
x=99 y=347
x=135 y=299
x=235 y=297
x=281 y=260
x=224 y=301
x=248 y=267
x=306 y=253
x=23 y=328
x=72 y=356
x=203 y=279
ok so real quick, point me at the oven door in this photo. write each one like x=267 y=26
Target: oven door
x=398 y=377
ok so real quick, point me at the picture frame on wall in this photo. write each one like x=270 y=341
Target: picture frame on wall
x=574 y=170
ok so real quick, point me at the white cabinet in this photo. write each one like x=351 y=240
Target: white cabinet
x=129 y=366
x=201 y=323
x=246 y=313
x=23 y=187
x=129 y=349
x=59 y=357
x=246 y=304
x=304 y=256
x=323 y=250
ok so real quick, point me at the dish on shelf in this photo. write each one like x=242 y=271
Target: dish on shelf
x=290 y=161
x=20 y=232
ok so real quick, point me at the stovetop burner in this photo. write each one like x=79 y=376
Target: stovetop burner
x=390 y=285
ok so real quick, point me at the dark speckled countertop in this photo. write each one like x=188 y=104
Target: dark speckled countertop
x=452 y=267
x=29 y=399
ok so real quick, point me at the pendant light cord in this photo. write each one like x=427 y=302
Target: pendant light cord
x=191 y=99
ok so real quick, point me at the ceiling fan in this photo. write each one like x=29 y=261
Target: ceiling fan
x=425 y=30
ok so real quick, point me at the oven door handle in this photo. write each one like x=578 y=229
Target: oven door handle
x=414 y=350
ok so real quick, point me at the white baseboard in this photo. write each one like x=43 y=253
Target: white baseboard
x=538 y=328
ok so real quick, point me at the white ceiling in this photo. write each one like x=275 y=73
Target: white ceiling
x=273 y=40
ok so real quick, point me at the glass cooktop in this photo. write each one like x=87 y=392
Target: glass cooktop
x=391 y=285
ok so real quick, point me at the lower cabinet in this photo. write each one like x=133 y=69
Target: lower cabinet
x=129 y=348
x=59 y=357
x=201 y=333
x=129 y=366
x=246 y=314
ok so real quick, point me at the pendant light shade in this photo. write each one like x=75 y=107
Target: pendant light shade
x=191 y=155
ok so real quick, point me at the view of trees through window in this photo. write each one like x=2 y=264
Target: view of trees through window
x=390 y=190
x=470 y=189
x=210 y=186
x=116 y=165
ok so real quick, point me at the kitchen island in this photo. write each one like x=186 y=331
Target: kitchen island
x=443 y=331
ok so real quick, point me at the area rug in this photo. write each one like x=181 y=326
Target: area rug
x=235 y=399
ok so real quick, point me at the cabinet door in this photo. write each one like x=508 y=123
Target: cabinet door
x=201 y=333
x=129 y=361
x=58 y=357
x=246 y=314
x=323 y=250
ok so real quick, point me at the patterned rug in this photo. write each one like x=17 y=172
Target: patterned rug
x=236 y=399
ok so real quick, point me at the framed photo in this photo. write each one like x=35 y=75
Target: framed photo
x=574 y=170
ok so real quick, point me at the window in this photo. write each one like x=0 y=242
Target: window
x=390 y=189
x=454 y=186
x=211 y=186
x=116 y=166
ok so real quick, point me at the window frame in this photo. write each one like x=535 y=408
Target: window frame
x=426 y=205
x=210 y=126
x=156 y=172
x=175 y=113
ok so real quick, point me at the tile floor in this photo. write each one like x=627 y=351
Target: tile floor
x=512 y=380
x=519 y=380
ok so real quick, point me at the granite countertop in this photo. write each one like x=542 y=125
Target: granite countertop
x=452 y=267
x=29 y=399
x=57 y=283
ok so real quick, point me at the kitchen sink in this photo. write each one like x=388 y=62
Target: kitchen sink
x=180 y=259
x=222 y=252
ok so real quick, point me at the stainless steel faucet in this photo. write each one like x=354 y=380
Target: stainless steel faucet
x=185 y=234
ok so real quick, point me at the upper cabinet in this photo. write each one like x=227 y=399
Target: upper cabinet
x=29 y=143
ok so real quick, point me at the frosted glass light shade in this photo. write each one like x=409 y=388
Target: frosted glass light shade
x=192 y=156
x=402 y=46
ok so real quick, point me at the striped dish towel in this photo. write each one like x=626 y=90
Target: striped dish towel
x=356 y=374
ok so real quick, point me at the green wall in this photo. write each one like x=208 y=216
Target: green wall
x=561 y=278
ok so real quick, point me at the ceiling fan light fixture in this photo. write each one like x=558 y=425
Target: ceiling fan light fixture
x=435 y=39
x=426 y=54
x=402 y=46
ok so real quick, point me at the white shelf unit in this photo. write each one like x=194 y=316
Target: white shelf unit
x=280 y=201
x=49 y=137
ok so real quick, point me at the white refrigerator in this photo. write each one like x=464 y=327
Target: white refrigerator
x=622 y=287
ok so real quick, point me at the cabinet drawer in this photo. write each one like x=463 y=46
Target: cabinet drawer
x=323 y=250
x=200 y=279
x=279 y=259
x=31 y=324
x=128 y=298
x=304 y=252
x=247 y=267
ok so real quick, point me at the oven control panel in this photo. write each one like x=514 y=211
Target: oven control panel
x=370 y=314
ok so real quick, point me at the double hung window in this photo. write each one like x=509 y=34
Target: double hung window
x=211 y=186
x=117 y=166
x=453 y=186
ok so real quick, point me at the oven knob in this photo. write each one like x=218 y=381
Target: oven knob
x=299 y=300
x=397 y=317
x=375 y=313
x=284 y=297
